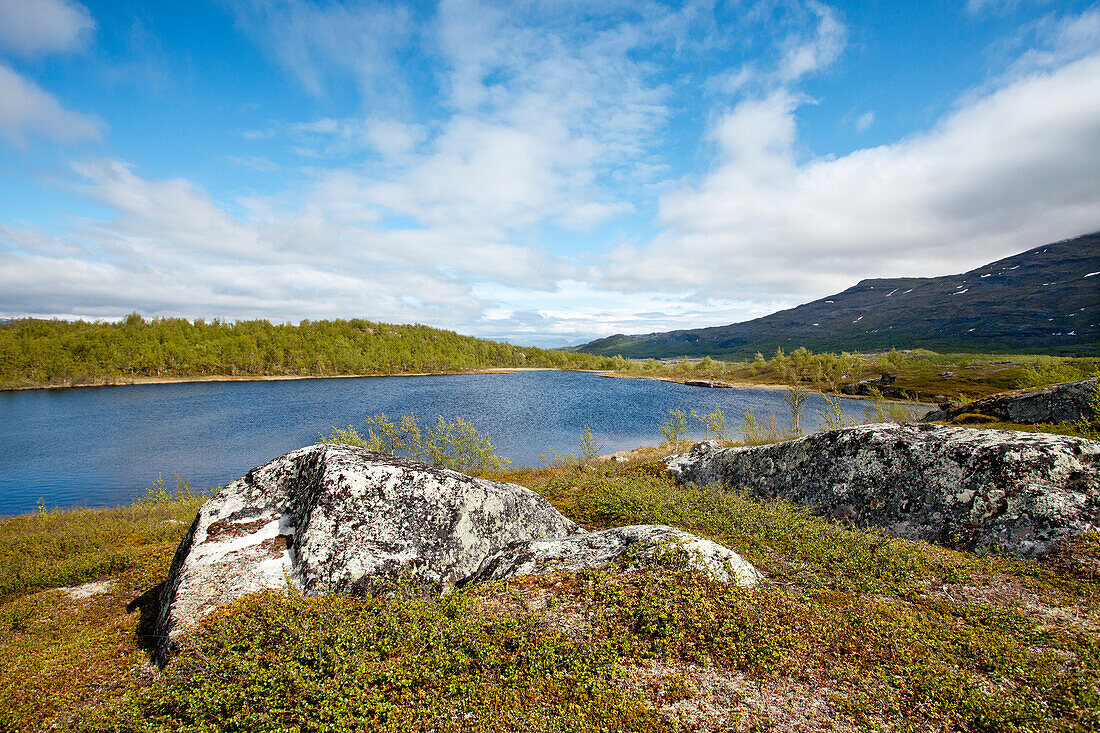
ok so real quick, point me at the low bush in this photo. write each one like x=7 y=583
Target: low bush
x=454 y=444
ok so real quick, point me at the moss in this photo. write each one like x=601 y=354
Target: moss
x=853 y=630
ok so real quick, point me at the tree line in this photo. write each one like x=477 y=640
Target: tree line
x=36 y=352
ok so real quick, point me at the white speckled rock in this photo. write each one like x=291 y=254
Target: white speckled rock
x=332 y=518
x=967 y=488
x=638 y=545
x=1059 y=403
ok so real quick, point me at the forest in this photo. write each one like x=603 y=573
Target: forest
x=35 y=352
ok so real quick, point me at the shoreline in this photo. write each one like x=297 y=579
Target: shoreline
x=720 y=384
x=138 y=381
x=686 y=381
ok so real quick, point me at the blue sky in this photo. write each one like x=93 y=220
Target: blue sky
x=542 y=172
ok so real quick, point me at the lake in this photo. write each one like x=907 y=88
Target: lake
x=103 y=446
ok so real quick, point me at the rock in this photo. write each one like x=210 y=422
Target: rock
x=628 y=547
x=333 y=518
x=1060 y=403
x=881 y=385
x=966 y=488
x=338 y=519
x=86 y=591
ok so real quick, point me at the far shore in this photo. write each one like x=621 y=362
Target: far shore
x=720 y=383
x=131 y=381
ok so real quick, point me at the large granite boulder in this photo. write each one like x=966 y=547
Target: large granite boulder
x=339 y=519
x=980 y=490
x=629 y=547
x=333 y=518
x=1061 y=403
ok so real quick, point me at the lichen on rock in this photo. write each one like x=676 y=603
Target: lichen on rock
x=980 y=490
x=1067 y=402
x=629 y=547
x=341 y=519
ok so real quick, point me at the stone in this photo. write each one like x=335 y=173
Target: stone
x=86 y=591
x=628 y=547
x=334 y=518
x=971 y=489
x=881 y=385
x=1061 y=403
x=340 y=519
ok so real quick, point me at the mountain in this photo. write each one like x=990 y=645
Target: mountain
x=1045 y=300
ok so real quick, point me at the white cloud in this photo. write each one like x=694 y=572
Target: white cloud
x=819 y=52
x=1010 y=170
x=170 y=249
x=313 y=41
x=541 y=122
x=27 y=110
x=977 y=7
x=1060 y=40
x=33 y=27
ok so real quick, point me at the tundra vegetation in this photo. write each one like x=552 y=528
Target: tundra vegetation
x=62 y=353
x=853 y=630
x=37 y=353
x=921 y=374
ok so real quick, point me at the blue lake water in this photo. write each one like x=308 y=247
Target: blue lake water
x=102 y=446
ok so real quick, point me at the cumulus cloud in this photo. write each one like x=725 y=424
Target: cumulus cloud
x=169 y=248
x=1012 y=169
x=28 y=110
x=540 y=123
x=32 y=27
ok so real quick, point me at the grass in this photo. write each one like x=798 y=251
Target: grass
x=59 y=653
x=923 y=375
x=854 y=630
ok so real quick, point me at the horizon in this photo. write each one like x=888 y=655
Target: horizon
x=543 y=175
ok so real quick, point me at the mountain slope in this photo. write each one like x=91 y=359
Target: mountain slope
x=1045 y=300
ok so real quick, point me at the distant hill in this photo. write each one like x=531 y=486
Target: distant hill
x=1045 y=300
x=40 y=353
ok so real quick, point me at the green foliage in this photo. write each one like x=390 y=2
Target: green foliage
x=892 y=359
x=832 y=417
x=758 y=431
x=675 y=429
x=37 y=352
x=61 y=547
x=1088 y=426
x=876 y=411
x=453 y=444
x=282 y=662
x=880 y=410
x=1048 y=370
x=714 y=424
x=458 y=446
x=795 y=398
x=854 y=628
x=590 y=447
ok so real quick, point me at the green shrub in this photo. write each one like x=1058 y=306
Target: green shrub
x=714 y=424
x=590 y=447
x=1046 y=371
x=454 y=444
x=675 y=429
